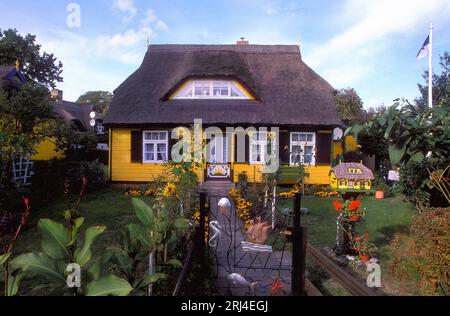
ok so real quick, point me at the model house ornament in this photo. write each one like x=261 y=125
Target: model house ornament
x=351 y=177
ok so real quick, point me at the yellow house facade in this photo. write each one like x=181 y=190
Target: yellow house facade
x=253 y=102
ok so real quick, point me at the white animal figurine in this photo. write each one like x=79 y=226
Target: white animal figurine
x=215 y=226
x=238 y=279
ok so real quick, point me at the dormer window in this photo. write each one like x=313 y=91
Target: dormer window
x=212 y=89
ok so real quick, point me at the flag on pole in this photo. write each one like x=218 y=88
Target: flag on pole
x=425 y=50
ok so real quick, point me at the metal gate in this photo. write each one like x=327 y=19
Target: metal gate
x=252 y=253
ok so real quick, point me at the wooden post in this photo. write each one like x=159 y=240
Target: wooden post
x=151 y=271
x=201 y=249
x=299 y=251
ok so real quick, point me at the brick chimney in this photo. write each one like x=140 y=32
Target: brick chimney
x=242 y=42
x=56 y=95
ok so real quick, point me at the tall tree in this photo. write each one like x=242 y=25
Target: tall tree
x=441 y=85
x=37 y=67
x=25 y=120
x=100 y=99
x=350 y=106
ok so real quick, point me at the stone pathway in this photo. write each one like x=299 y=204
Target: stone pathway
x=262 y=268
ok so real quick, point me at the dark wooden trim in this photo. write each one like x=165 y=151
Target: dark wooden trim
x=324 y=143
x=136 y=151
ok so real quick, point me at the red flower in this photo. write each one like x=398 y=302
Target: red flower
x=354 y=205
x=337 y=206
x=26 y=201
x=85 y=181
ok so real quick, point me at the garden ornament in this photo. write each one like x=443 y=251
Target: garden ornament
x=215 y=226
x=224 y=207
x=237 y=279
x=258 y=232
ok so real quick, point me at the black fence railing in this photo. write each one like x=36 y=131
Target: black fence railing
x=197 y=253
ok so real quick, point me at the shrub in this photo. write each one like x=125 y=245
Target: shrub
x=50 y=176
x=48 y=181
x=93 y=171
x=414 y=184
x=422 y=255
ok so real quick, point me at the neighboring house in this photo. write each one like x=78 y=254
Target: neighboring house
x=74 y=114
x=239 y=85
x=11 y=78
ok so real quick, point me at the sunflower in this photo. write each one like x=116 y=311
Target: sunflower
x=169 y=190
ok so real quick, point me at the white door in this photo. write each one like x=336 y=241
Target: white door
x=217 y=150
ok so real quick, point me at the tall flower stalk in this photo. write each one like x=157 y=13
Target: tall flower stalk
x=8 y=249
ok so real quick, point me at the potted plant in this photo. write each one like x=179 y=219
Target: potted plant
x=350 y=210
x=380 y=190
x=364 y=248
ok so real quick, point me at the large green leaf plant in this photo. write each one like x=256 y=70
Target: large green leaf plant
x=155 y=232
x=61 y=246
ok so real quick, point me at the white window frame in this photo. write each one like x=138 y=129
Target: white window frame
x=263 y=143
x=211 y=95
x=155 y=143
x=302 y=144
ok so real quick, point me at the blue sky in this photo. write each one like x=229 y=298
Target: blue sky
x=368 y=45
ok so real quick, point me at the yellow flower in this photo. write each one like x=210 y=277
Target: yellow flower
x=169 y=190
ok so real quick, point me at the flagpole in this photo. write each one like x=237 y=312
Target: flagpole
x=430 y=69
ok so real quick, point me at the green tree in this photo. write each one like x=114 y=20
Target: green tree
x=350 y=106
x=38 y=67
x=100 y=99
x=416 y=140
x=441 y=86
x=26 y=116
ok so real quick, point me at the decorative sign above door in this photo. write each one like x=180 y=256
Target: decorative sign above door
x=219 y=171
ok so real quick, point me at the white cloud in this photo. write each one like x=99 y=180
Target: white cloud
x=151 y=20
x=118 y=45
x=271 y=11
x=87 y=59
x=127 y=7
x=376 y=24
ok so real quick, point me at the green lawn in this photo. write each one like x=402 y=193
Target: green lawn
x=110 y=207
x=384 y=219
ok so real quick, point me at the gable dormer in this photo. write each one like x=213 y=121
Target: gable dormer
x=211 y=89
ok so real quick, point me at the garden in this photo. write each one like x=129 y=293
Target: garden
x=72 y=233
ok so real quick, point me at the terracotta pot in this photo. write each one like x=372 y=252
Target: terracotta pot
x=379 y=195
x=364 y=257
x=354 y=218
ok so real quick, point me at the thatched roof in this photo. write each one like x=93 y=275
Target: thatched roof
x=287 y=91
x=74 y=113
x=341 y=171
